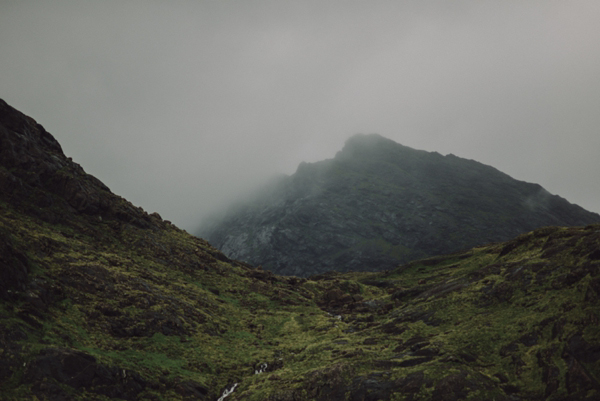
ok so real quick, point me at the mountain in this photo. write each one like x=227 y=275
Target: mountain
x=100 y=300
x=378 y=204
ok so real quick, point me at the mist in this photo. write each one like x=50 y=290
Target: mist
x=186 y=107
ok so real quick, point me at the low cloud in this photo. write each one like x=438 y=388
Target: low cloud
x=186 y=106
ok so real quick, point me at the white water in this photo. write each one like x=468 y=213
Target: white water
x=262 y=368
x=227 y=391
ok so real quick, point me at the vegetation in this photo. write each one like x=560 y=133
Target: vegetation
x=171 y=321
x=99 y=300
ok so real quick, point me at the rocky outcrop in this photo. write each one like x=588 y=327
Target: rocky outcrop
x=378 y=204
x=38 y=178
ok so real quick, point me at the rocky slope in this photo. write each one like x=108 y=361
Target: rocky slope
x=378 y=204
x=99 y=301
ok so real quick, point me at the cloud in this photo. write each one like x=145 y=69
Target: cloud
x=185 y=106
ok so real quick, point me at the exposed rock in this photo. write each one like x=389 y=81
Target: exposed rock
x=379 y=204
x=36 y=176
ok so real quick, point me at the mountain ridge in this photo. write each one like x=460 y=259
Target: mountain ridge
x=377 y=204
x=101 y=301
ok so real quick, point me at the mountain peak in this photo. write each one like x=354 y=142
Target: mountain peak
x=368 y=139
x=376 y=149
x=369 y=144
x=378 y=204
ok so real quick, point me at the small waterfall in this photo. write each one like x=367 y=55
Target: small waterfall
x=228 y=390
x=262 y=368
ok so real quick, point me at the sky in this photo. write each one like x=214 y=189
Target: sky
x=183 y=107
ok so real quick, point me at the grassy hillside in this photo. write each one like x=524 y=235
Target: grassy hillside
x=99 y=300
x=131 y=313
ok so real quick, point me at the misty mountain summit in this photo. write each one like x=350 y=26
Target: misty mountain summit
x=378 y=204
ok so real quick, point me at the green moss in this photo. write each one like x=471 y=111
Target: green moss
x=161 y=305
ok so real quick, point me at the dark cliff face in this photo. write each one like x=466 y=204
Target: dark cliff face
x=37 y=178
x=378 y=204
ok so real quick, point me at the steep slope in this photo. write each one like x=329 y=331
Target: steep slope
x=378 y=204
x=104 y=301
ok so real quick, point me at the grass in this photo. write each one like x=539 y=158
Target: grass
x=161 y=305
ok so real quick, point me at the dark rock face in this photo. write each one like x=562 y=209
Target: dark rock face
x=36 y=177
x=378 y=204
x=34 y=161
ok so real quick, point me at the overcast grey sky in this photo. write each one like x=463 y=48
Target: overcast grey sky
x=183 y=106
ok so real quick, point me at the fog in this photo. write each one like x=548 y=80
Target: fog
x=183 y=107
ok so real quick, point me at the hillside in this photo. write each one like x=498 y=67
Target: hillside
x=378 y=204
x=99 y=301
